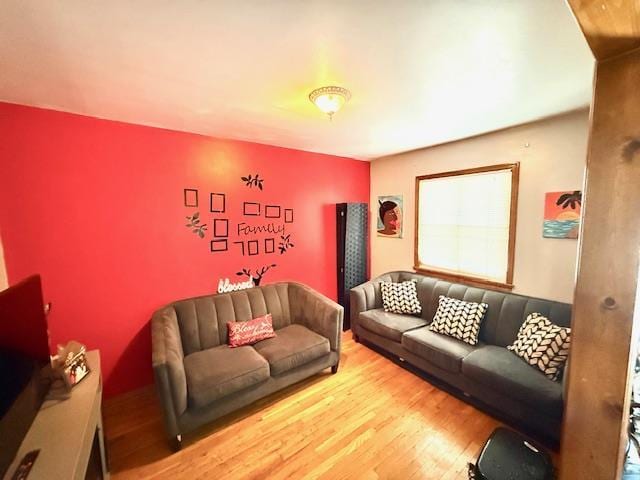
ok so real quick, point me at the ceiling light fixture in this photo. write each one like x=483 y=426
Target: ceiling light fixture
x=329 y=99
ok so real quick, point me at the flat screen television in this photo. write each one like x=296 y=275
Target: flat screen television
x=24 y=354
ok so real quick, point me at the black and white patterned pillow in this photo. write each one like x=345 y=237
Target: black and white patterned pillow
x=458 y=319
x=543 y=344
x=400 y=297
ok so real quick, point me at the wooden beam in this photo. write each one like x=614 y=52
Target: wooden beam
x=610 y=27
x=603 y=335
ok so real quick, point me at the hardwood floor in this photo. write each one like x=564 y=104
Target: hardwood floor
x=371 y=420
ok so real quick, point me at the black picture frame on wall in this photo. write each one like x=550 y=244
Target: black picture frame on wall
x=217 y=203
x=272 y=211
x=219 y=245
x=241 y=247
x=253 y=247
x=190 y=197
x=288 y=215
x=269 y=245
x=251 y=209
x=220 y=227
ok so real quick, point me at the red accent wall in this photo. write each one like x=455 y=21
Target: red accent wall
x=96 y=207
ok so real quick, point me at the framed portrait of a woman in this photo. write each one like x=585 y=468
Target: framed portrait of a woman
x=389 y=216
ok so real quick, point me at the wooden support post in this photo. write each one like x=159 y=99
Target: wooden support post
x=597 y=409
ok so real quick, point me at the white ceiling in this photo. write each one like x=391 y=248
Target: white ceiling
x=421 y=72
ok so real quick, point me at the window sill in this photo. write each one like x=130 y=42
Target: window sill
x=465 y=279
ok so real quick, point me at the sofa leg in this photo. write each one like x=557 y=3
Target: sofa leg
x=175 y=443
x=334 y=369
x=356 y=338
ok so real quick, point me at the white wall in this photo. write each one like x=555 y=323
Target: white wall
x=554 y=160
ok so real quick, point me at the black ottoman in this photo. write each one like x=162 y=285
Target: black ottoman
x=507 y=455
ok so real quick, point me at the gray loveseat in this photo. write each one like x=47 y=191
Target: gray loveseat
x=200 y=378
x=488 y=371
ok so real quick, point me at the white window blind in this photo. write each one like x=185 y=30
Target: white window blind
x=463 y=224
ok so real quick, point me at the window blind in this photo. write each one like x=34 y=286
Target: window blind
x=463 y=224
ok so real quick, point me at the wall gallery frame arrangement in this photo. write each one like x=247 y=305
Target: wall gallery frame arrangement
x=260 y=220
x=261 y=230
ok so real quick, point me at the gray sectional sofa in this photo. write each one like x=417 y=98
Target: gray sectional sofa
x=200 y=378
x=488 y=371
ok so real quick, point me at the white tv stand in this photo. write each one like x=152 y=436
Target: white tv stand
x=64 y=432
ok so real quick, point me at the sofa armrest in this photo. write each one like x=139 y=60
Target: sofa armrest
x=362 y=298
x=168 y=366
x=317 y=313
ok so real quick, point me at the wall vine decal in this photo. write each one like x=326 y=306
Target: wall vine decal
x=251 y=181
x=195 y=225
x=285 y=243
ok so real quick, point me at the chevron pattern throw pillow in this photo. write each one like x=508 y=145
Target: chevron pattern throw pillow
x=400 y=297
x=543 y=344
x=458 y=319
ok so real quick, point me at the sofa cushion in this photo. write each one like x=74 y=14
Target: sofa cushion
x=400 y=297
x=251 y=331
x=292 y=346
x=543 y=344
x=458 y=319
x=441 y=350
x=220 y=371
x=499 y=369
x=389 y=325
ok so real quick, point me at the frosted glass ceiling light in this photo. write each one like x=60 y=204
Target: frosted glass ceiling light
x=329 y=99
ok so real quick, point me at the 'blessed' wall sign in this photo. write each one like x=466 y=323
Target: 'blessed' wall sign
x=225 y=286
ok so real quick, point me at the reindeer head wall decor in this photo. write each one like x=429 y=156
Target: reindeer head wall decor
x=257 y=277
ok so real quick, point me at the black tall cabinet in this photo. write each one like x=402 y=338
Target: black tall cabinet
x=352 y=230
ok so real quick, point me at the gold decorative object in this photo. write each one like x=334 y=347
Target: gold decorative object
x=71 y=363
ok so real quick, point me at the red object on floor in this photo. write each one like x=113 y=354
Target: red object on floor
x=97 y=209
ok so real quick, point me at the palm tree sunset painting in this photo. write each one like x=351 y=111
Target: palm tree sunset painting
x=562 y=214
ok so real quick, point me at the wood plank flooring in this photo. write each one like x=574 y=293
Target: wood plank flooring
x=371 y=420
